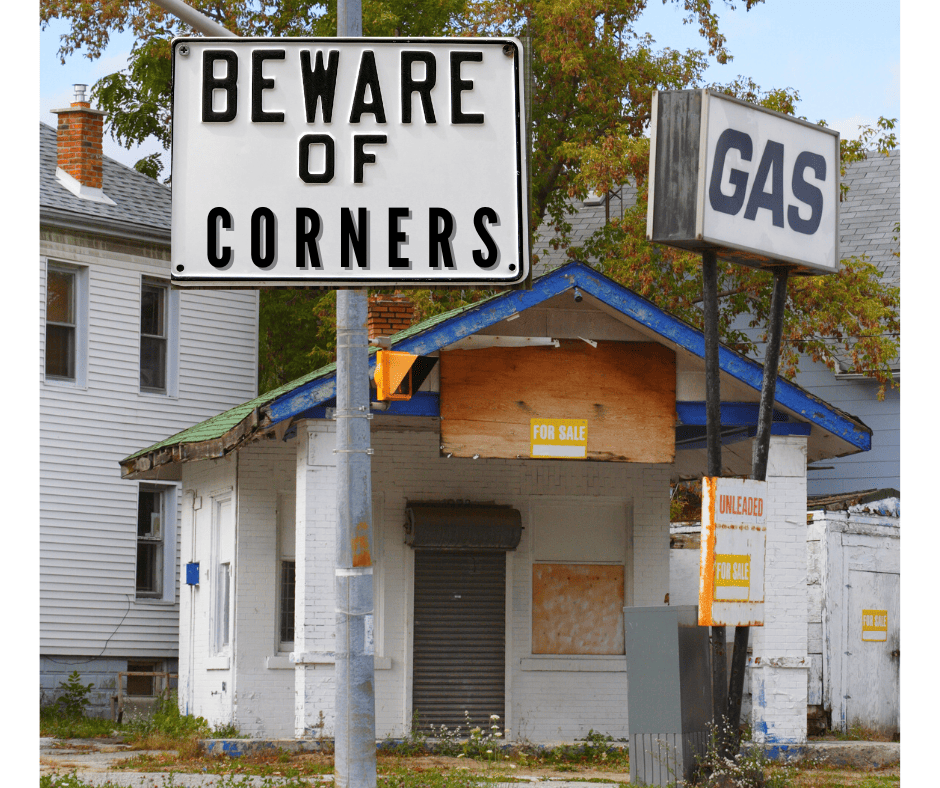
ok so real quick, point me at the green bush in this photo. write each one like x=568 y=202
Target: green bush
x=73 y=700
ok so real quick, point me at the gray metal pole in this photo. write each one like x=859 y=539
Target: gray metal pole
x=713 y=447
x=354 y=728
x=195 y=19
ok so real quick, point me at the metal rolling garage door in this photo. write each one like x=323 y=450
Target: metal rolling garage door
x=459 y=656
x=459 y=637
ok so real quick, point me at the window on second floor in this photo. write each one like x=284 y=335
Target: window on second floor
x=154 y=336
x=65 y=306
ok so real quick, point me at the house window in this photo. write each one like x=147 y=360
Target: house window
x=154 y=336
x=61 y=326
x=66 y=312
x=222 y=577
x=223 y=623
x=151 y=520
x=286 y=570
x=286 y=628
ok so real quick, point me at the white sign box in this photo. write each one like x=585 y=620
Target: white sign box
x=348 y=162
x=759 y=187
x=734 y=538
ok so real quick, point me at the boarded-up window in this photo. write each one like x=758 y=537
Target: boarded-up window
x=577 y=609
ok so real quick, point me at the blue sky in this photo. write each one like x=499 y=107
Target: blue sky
x=842 y=56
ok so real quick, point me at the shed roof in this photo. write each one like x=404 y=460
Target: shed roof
x=141 y=209
x=832 y=432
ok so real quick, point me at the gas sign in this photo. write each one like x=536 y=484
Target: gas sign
x=757 y=186
x=734 y=537
x=362 y=161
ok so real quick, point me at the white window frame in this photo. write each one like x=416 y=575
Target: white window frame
x=169 y=493
x=80 y=294
x=221 y=577
x=171 y=308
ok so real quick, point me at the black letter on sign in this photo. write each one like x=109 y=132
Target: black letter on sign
x=228 y=83
x=410 y=85
x=729 y=203
x=329 y=158
x=368 y=76
x=396 y=237
x=439 y=238
x=259 y=84
x=806 y=192
x=263 y=247
x=458 y=85
x=359 y=239
x=319 y=84
x=492 y=250
x=772 y=200
x=218 y=258
x=307 y=238
x=360 y=157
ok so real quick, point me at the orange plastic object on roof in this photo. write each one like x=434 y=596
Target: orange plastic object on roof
x=393 y=375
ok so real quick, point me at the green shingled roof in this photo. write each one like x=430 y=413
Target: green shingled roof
x=218 y=426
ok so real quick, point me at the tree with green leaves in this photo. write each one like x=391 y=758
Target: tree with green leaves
x=593 y=73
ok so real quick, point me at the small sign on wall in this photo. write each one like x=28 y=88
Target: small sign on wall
x=734 y=537
x=560 y=438
x=875 y=626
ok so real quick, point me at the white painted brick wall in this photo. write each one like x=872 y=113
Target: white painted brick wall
x=779 y=669
x=544 y=705
x=265 y=692
x=314 y=683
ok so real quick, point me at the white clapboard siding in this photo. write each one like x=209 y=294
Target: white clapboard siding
x=88 y=514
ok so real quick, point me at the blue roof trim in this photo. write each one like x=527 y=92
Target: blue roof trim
x=636 y=307
x=732 y=413
x=744 y=433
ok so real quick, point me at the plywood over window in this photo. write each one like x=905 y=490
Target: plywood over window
x=577 y=609
x=626 y=391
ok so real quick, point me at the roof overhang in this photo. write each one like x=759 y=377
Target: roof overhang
x=829 y=431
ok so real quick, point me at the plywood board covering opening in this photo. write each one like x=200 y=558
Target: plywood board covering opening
x=577 y=609
x=626 y=391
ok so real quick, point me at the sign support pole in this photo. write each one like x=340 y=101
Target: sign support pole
x=354 y=759
x=713 y=442
x=758 y=473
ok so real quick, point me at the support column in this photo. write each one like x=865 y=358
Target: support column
x=314 y=606
x=779 y=666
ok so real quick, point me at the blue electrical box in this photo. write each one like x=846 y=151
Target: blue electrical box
x=192 y=574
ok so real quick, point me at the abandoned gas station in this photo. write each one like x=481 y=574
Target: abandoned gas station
x=520 y=502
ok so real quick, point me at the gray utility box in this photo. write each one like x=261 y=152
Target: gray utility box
x=669 y=696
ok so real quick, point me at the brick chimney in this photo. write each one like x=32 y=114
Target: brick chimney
x=389 y=314
x=79 y=140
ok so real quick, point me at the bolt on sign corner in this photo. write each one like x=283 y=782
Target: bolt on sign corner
x=348 y=162
x=733 y=543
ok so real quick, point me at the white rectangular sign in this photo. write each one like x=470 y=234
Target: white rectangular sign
x=759 y=187
x=734 y=536
x=348 y=161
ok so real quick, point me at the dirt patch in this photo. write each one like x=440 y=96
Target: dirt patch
x=443 y=763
